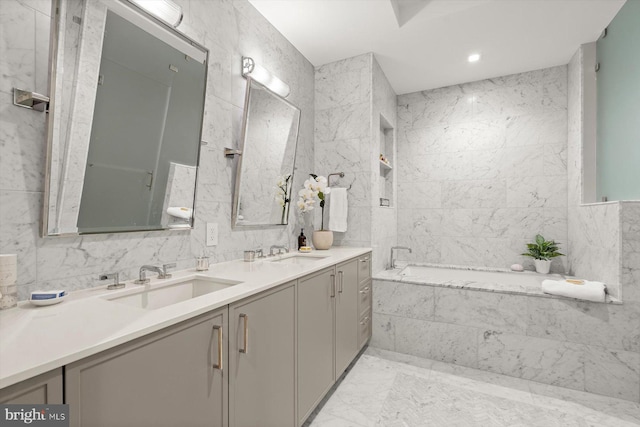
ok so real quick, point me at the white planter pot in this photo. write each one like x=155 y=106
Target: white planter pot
x=322 y=240
x=542 y=265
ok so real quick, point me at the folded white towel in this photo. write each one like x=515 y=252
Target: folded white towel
x=338 y=207
x=590 y=291
x=180 y=212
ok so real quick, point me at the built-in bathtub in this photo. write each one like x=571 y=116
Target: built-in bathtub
x=500 y=321
x=475 y=278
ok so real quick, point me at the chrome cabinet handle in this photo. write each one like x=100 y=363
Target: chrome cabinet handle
x=333 y=286
x=341 y=276
x=245 y=346
x=219 y=364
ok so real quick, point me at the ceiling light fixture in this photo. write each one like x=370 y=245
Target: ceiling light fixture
x=474 y=57
x=264 y=77
x=164 y=10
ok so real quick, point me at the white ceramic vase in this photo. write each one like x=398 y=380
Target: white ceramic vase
x=543 y=265
x=322 y=239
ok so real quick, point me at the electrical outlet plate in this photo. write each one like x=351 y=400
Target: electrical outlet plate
x=212 y=234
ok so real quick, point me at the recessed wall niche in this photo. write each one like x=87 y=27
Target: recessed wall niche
x=387 y=156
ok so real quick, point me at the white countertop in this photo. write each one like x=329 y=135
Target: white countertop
x=34 y=340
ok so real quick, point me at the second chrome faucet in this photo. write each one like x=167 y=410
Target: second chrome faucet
x=162 y=273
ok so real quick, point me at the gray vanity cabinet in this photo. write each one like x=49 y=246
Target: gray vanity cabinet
x=316 y=313
x=41 y=390
x=327 y=331
x=173 y=377
x=346 y=347
x=262 y=359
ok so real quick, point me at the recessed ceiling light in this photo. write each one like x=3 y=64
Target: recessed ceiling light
x=475 y=57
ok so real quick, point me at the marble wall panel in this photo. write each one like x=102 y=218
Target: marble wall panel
x=404 y=300
x=383 y=332
x=630 y=251
x=542 y=360
x=612 y=373
x=439 y=341
x=384 y=220
x=495 y=152
x=490 y=310
x=229 y=29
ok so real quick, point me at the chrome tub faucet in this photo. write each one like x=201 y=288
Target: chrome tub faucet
x=392 y=261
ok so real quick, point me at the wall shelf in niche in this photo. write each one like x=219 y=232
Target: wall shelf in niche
x=385 y=166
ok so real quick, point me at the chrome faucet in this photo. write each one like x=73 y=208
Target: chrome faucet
x=280 y=248
x=162 y=273
x=116 y=280
x=392 y=261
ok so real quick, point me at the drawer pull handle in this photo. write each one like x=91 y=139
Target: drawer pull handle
x=333 y=286
x=341 y=276
x=219 y=364
x=245 y=346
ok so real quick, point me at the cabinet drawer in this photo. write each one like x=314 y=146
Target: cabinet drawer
x=364 y=328
x=364 y=297
x=364 y=268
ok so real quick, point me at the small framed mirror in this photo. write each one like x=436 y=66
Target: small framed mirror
x=125 y=121
x=264 y=175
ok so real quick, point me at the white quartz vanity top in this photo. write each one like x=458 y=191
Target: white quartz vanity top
x=34 y=340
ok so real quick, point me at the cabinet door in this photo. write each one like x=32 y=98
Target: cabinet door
x=262 y=357
x=346 y=315
x=172 y=377
x=41 y=390
x=316 y=295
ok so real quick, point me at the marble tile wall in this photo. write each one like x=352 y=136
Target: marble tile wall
x=579 y=345
x=351 y=96
x=343 y=138
x=229 y=29
x=482 y=169
x=384 y=231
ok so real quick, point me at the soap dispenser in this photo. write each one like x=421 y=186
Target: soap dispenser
x=302 y=239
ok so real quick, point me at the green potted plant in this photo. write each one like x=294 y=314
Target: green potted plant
x=542 y=251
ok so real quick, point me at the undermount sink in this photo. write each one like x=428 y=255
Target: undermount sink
x=299 y=259
x=165 y=295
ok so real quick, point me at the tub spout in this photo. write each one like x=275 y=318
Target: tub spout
x=392 y=261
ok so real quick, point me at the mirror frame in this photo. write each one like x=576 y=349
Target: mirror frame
x=54 y=46
x=243 y=142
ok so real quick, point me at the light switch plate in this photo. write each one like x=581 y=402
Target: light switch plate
x=212 y=234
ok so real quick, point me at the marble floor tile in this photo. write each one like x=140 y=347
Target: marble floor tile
x=389 y=389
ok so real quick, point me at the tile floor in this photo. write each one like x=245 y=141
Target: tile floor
x=388 y=389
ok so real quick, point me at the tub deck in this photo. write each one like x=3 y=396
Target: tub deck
x=476 y=278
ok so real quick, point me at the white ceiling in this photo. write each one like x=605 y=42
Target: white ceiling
x=430 y=48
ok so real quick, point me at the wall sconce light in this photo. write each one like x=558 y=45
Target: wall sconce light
x=165 y=10
x=264 y=77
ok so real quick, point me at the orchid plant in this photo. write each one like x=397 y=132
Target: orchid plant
x=314 y=187
x=282 y=194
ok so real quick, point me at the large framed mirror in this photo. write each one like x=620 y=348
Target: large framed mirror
x=264 y=176
x=125 y=121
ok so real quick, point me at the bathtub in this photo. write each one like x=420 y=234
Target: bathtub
x=501 y=322
x=519 y=282
x=474 y=278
